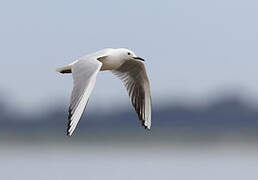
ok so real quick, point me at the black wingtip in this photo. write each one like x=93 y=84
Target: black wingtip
x=68 y=134
x=66 y=71
x=143 y=124
x=67 y=131
x=69 y=122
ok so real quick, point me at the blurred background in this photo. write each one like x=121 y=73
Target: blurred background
x=201 y=58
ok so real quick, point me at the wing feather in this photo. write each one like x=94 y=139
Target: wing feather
x=134 y=77
x=84 y=73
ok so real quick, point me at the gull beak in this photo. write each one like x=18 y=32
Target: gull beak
x=139 y=58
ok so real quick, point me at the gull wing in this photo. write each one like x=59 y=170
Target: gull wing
x=134 y=77
x=84 y=73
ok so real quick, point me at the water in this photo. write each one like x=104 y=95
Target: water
x=54 y=161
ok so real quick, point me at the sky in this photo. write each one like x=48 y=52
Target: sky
x=194 y=50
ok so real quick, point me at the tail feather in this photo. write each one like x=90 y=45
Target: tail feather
x=65 y=69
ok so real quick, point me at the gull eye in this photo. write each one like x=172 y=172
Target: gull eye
x=129 y=53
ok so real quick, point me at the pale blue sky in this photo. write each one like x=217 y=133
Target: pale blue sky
x=193 y=49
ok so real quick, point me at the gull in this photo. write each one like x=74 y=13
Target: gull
x=123 y=63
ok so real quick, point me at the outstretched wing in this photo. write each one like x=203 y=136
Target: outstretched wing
x=84 y=73
x=134 y=77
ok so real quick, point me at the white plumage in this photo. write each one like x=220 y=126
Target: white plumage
x=123 y=63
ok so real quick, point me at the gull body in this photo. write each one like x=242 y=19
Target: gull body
x=124 y=64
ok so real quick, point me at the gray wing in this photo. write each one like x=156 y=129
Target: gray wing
x=134 y=77
x=84 y=73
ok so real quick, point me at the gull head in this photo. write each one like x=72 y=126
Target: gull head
x=127 y=54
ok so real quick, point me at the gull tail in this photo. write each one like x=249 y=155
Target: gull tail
x=65 y=69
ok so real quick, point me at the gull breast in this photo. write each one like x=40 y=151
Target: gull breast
x=110 y=63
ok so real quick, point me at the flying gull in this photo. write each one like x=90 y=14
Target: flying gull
x=125 y=65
